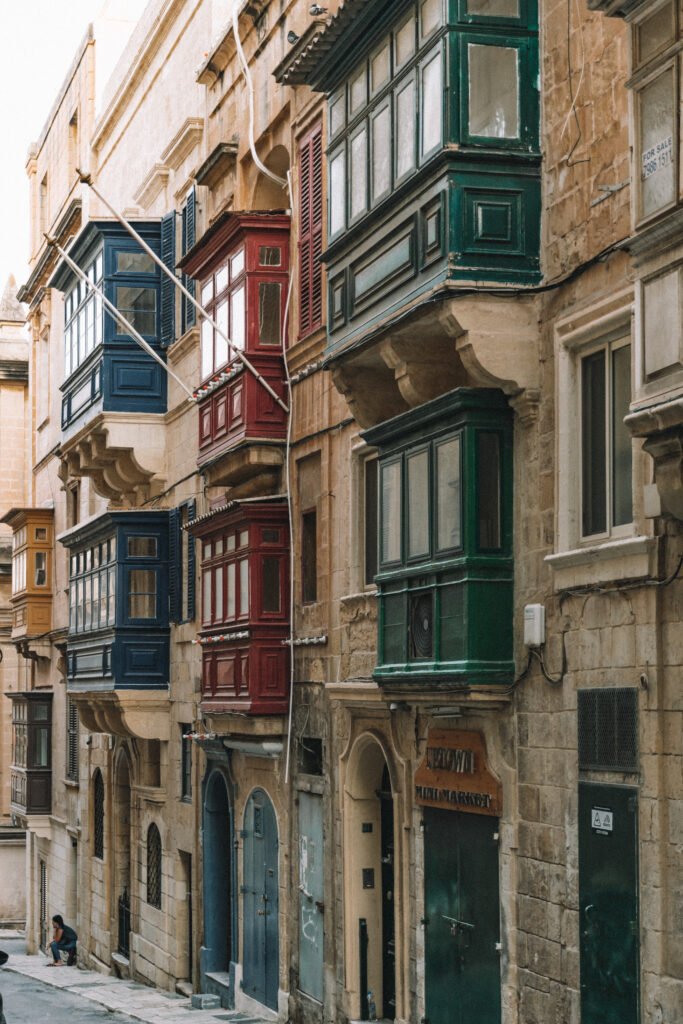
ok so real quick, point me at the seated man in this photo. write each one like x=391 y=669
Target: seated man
x=64 y=938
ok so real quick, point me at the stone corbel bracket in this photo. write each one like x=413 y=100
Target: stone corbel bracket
x=141 y=715
x=662 y=429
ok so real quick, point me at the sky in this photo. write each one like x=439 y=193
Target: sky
x=38 y=41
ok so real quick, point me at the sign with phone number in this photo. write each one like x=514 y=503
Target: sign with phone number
x=657 y=157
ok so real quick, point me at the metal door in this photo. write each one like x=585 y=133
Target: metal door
x=260 y=901
x=608 y=902
x=311 y=931
x=462 y=919
x=388 y=923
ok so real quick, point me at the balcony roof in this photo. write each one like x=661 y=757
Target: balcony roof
x=226 y=229
x=89 y=237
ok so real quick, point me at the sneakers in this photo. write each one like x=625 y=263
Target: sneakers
x=71 y=959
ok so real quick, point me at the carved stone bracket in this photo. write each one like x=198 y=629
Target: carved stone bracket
x=662 y=429
x=143 y=715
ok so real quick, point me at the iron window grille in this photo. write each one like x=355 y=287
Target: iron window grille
x=154 y=867
x=71 y=740
x=185 y=762
x=608 y=729
x=98 y=814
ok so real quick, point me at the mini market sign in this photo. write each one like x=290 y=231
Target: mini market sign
x=454 y=774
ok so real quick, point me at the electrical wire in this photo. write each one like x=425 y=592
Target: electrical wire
x=574 y=96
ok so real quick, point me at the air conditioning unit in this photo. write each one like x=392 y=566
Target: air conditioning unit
x=421 y=626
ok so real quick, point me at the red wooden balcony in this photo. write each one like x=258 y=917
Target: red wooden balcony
x=244 y=552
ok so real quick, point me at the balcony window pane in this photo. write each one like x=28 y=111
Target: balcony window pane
x=103 y=598
x=134 y=263
x=493 y=8
x=207 y=349
x=218 y=592
x=40 y=577
x=391 y=512
x=622 y=485
x=207 y=291
x=221 y=280
x=381 y=153
x=244 y=587
x=221 y=343
x=449 y=509
x=271 y=584
x=269 y=256
x=111 y=615
x=139 y=306
x=337 y=192
x=87 y=603
x=488 y=505
x=81 y=335
x=430 y=17
x=96 y=601
x=358 y=92
x=79 y=605
x=98 y=321
x=269 y=313
x=405 y=42
x=243 y=538
x=418 y=504
x=379 y=68
x=206 y=596
x=359 y=173
x=41 y=743
x=337 y=115
x=142 y=594
x=593 y=444
x=142 y=547
x=493 y=91
x=237 y=318
x=655 y=32
x=430 y=104
x=370 y=471
x=232 y=596
x=405 y=129
x=236 y=264
x=657 y=183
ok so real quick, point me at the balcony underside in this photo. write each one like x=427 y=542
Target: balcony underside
x=128 y=713
x=122 y=453
x=253 y=467
x=455 y=341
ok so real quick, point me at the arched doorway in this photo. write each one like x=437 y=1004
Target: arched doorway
x=261 y=962
x=217 y=951
x=122 y=853
x=370 y=882
x=268 y=194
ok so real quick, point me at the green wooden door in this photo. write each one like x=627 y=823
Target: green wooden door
x=462 y=962
x=260 y=900
x=608 y=904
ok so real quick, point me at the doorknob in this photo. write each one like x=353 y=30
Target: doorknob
x=260 y=913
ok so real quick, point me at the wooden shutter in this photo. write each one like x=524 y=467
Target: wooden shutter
x=167 y=285
x=191 y=563
x=311 y=231
x=175 y=566
x=189 y=239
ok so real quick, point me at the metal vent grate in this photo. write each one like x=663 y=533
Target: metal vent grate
x=608 y=729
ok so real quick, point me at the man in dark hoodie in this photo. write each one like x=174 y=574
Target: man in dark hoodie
x=64 y=938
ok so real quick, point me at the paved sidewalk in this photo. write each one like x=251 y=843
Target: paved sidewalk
x=139 y=1002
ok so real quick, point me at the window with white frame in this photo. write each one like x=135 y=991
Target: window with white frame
x=606 y=474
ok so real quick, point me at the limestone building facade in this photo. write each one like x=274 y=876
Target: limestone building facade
x=352 y=601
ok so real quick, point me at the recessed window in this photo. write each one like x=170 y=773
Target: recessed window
x=656 y=105
x=309 y=556
x=493 y=91
x=606 y=453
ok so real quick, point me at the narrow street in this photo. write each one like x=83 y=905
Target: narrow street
x=32 y=992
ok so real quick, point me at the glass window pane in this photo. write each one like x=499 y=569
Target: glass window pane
x=656 y=101
x=358 y=92
x=221 y=280
x=218 y=594
x=379 y=68
x=370 y=520
x=96 y=601
x=231 y=601
x=488 y=504
x=493 y=8
x=138 y=305
x=40 y=752
x=337 y=114
x=418 y=504
x=359 y=173
x=244 y=587
x=269 y=313
x=271 y=584
x=381 y=153
x=236 y=264
x=41 y=569
x=142 y=589
x=405 y=42
x=269 y=256
x=430 y=104
x=449 y=508
x=243 y=538
x=206 y=596
x=405 y=129
x=142 y=547
x=337 y=192
x=391 y=512
x=238 y=318
x=207 y=291
x=134 y=263
x=593 y=444
x=112 y=596
x=207 y=348
x=87 y=602
x=430 y=16
x=622 y=487
x=493 y=91
x=103 y=599
x=220 y=343
x=655 y=32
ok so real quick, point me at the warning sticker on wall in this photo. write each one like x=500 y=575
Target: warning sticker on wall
x=602 y=820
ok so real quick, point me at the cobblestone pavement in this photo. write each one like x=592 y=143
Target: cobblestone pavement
x=34 y=992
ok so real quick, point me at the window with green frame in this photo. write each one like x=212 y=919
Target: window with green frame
x=462 y=71
x=445 y=539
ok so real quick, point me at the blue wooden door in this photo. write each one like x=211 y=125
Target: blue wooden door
x=260 y=901
x=311 y=895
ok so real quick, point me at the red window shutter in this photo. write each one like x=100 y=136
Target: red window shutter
x=311 y=231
